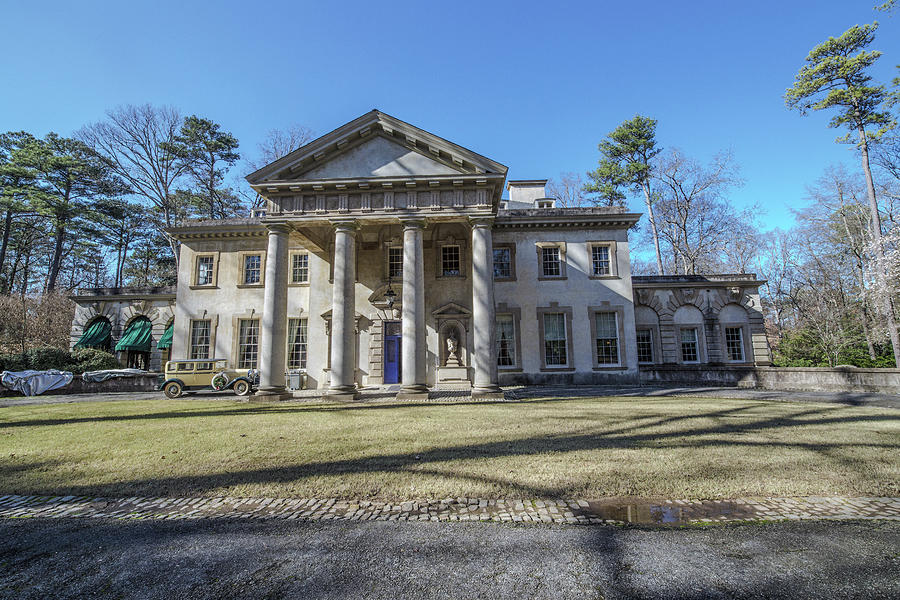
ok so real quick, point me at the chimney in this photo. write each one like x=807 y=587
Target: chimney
x=526 y=191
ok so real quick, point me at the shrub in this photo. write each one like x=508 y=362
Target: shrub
x=42 y=359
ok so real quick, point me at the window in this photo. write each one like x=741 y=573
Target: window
x=297 y=343
x=204 y=270
x=545 y=204
x=607 y=338
x=299 y=268
x=689 y=349
x=252 y=268
x=200 y=339
x=555 y=350
x=550 y=262
x=600 y=260
x=645 y=345
x=734 y=343
x=506 y=341
x=395 y=262
x=450 y=261
x=248 y=343
x=502 y=263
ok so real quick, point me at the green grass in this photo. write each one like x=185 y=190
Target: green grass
x=584 y=447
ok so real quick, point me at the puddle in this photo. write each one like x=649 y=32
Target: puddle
x=670 y=514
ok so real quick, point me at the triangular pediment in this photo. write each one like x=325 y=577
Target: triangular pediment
x=376 y=146
x=451 y=309
x=378 y=156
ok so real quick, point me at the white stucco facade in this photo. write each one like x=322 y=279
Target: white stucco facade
x=487 y=290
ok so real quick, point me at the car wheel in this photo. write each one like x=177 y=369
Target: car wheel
x=242 y=388
x=173 y=389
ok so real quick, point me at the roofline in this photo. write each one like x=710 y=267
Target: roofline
x=371 y=117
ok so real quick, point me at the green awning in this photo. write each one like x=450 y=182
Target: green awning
x=95 y=336
x=137 y=336
x=166 y=340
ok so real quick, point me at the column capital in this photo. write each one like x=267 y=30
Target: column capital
x=278 y=228
x=481 y=221
x=412 y=222
x=348 y=225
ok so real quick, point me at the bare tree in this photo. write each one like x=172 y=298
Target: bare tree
x=278 y=143
x=696 y=221
x=137 y=142
x=568 y=190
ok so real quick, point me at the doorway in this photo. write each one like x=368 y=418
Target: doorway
x=392 y=351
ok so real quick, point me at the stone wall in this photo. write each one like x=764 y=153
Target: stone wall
x=815 y=379
x=131 y=383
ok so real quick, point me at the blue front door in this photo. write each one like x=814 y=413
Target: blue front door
x=392 y=359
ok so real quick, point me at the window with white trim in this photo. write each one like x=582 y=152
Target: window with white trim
x=645 y=345
x=607 y=341
x=734 y=343
x=550 y=263
x=252 y=268
x=555 y=344
x=200 y=339
x=395 y=262
x=450 y=261
x=690 y=351
x=205 y=270
x=300 y=268
x=248 y=343
x=506 y=341
x=297 y=343
x=600 y=260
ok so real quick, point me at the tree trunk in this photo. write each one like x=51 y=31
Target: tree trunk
x=879 y=248
x=7 y=226
x=57 y=256
x=652 y=219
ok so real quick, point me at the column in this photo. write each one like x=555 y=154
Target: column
x=412 y=375
x=273 y=322
x=483 y=320
x=343 y=312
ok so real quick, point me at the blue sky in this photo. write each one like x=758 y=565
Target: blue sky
x=532 y=85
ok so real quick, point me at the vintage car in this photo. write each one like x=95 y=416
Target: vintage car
x=206 y=374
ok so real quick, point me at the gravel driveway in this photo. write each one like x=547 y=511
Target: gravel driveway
x=68 y=558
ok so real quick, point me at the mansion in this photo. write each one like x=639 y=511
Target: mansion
x=386 y=255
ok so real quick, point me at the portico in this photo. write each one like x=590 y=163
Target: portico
x=369 y=193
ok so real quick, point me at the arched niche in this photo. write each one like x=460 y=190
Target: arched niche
x=455 y=329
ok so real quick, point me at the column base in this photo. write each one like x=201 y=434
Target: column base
x=275 y=394
x=412 y=392
x=488 y=392
x=343 y=393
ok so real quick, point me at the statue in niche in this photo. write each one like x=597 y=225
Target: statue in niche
x=452 y=345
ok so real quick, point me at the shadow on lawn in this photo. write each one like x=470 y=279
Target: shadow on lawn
x=636 y=434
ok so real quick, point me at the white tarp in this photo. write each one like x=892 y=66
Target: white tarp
x=98 y=376
x=34 y=383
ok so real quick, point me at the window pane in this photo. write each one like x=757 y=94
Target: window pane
x=297 y=343
x=200 y=339
x=248 y=343
x=644 y=345
x=450 y=260
x=607 y=338
x=506 y=341
x=550 y=262
x=300 y=268
x=252 y=263
x=395 y=262
x=204 y=270
x=734 y=343
x=502 y=267
x=555 y=351
x=600 y=260
x=689 y=352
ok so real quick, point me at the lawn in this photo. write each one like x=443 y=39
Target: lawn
x=581 y=447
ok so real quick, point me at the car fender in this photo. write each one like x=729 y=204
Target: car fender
x=235 y=380
x=170 y=380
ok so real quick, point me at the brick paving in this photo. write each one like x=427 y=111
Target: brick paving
x=667 y=512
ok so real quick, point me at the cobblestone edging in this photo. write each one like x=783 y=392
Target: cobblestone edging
x=668 y=512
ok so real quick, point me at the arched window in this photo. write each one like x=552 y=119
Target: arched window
x=136 y=342
x=689 y=338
